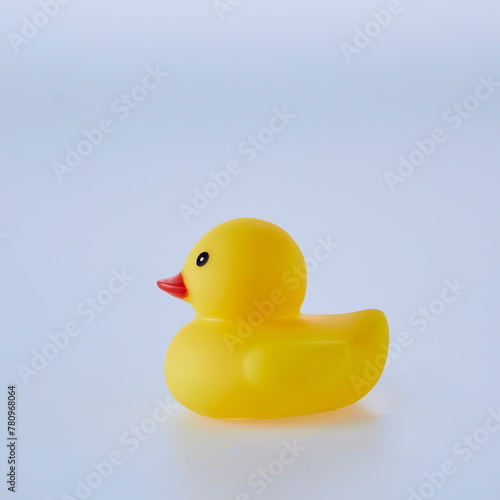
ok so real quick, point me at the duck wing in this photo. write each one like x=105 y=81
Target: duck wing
x=287 y=366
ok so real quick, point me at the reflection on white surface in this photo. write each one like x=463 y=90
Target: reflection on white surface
x=238 y=456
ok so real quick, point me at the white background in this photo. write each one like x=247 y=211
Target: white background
x=322 y=176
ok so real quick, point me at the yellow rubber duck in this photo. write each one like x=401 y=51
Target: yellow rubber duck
x=250 y=352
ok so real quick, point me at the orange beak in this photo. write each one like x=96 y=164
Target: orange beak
x=174 y=286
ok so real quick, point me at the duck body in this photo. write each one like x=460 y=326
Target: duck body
x=246 y=356
x=286 y=367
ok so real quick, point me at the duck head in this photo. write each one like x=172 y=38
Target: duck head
x=241 y=266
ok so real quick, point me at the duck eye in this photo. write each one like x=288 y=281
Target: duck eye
x=202 y=259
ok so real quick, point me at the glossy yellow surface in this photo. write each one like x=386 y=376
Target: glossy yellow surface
x=250 y=352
